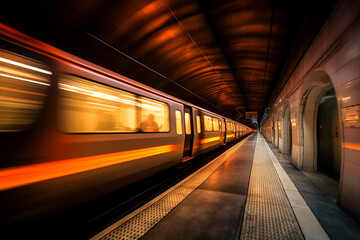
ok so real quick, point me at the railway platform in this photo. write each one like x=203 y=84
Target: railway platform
x=249 y=192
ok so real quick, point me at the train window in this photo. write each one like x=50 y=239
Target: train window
x=187 y=123
x=24 y=86
x=198 y=124
x=230 y=126
x=178 y=122
x=86 y=106
x=208 y=124
x=154 y=115
x=216 y=124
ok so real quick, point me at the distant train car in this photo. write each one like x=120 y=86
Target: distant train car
x=72 y=131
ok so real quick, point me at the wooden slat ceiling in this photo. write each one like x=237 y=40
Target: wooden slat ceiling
x=222 y=55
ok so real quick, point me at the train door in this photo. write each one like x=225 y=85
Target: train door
x=223 y=131
x=189 y=135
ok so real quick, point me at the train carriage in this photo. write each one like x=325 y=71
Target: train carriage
x=72 y=131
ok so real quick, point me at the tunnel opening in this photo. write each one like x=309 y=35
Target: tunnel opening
x=328 y=140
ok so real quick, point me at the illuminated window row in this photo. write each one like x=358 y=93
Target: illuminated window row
x=187 y=123
x=211 y=124
x=84 y=106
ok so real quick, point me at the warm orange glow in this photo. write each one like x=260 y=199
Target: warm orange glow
x=22 y=91
x=19 y=176
x=20 y=100
x=353 y=146
x=207 y=140
x=230 y=135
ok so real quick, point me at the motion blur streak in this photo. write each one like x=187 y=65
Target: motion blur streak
x=207 y=140
x=19 y=176
x=19 y=100
x=230 y=135
x=24 y=66
x=353 y=146
x=22 y=91
x=24 y=79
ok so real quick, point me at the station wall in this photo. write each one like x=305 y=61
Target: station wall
x=332 y=61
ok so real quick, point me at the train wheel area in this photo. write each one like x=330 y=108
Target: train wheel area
x=248 y=192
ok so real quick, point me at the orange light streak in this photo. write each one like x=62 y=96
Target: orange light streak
x=230 y=135
x=353 y=146
x=207 y=140
x=19 y=176
x=22 y=91
x=10 y=99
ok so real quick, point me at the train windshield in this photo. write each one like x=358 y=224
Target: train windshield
x=24 y=86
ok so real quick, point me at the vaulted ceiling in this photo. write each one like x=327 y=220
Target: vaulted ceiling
x=226 y=56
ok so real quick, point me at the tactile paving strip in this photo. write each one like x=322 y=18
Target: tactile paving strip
x=268 y=213
x=138 y=225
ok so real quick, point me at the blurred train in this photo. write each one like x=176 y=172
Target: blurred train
x=71 y=131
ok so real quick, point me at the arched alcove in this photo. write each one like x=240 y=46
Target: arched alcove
x=314 y=89
x=276 y=126
x=286 y=132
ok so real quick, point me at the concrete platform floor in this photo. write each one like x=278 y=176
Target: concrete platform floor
x=250 y=192
x=319 y=192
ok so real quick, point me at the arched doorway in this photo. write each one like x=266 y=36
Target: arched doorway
x=286 y=132
x=329 y=150
x=317 y=92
